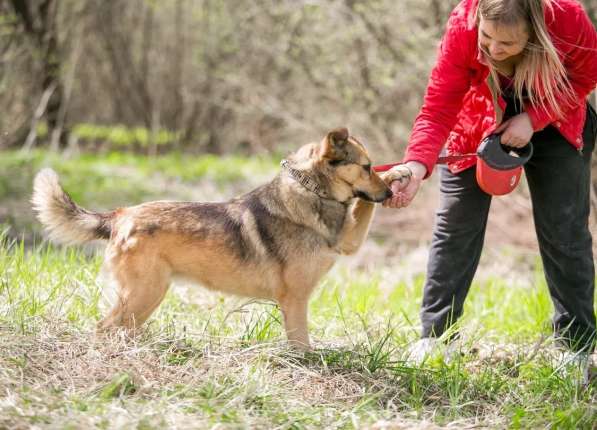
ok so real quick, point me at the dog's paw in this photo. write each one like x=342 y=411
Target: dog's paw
x=399 y=173
x=300 y=346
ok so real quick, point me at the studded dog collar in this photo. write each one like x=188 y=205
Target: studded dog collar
x=304 y=180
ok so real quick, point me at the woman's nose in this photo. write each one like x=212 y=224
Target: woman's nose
x=495 y=48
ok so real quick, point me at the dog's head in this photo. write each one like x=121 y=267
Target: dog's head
x=344 y=165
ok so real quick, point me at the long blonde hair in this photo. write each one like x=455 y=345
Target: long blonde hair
x=540 y=70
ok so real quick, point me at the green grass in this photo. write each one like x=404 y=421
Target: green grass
x=207 y=359
x=106 y=181
x=114 y=136
x=107 y=173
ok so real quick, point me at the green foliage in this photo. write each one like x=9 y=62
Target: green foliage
x=115 y=137
x=120 y=136
x=17 y=169
x=42 y=130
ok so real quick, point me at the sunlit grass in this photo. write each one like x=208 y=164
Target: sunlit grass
x=90 y=175
x=106 y=181
x=206 y=358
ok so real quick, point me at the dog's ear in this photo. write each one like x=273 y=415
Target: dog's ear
x=334 y=144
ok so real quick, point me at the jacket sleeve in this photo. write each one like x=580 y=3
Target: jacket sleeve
x=580 y=62
x=449 y=82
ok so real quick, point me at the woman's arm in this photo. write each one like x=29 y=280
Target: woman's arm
x=449 y=82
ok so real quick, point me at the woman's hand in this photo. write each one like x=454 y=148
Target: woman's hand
x=404 y=180
x=517 y=131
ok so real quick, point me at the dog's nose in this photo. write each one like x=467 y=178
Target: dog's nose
x=388 y=194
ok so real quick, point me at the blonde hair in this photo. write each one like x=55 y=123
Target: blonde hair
x=540 y=70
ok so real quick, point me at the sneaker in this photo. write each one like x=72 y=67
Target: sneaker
x=428 y=347
x=455 y=350
x=422 y=349
x=576 y=364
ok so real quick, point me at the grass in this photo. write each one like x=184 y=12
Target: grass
x=106 y=181
x=115 y=136
x=106 y=173
x=207 y=359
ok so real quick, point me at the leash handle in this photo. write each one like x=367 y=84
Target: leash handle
x=441 y=160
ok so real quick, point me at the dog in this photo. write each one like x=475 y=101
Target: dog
x=275 y=242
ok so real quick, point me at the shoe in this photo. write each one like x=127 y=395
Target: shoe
x=577 y=365
x=428 y=347
x=455 y=350
x=422 y=349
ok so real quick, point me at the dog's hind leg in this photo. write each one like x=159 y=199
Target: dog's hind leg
x=142 y=283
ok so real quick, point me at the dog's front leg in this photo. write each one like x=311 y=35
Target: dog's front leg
x=295 y=322
x=355 y=227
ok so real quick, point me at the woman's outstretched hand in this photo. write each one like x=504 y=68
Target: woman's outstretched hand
x=404 y=181
x=517 y=131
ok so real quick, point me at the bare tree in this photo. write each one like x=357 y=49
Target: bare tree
x=37 y=19
x=256 y=75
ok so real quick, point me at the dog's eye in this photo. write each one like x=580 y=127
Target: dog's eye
x=335 y=162
x=367 y=168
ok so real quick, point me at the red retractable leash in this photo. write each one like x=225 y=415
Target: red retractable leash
x=441 y=160
x=498 y=168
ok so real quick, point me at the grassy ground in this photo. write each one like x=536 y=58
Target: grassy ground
x=206 y=359
x=211 y=361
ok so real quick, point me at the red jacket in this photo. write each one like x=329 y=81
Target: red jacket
x=459 y=107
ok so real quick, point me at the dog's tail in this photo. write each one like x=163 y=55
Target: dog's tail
x=62 y=217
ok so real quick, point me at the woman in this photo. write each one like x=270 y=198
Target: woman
x=522 y=68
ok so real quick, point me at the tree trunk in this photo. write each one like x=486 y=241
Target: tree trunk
x=38 y=19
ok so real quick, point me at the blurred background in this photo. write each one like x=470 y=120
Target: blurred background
x=214 y=76
x=199 y=99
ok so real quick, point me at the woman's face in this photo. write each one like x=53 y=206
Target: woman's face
x=502 y=41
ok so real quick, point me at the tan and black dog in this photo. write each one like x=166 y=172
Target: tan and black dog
x=275 y=242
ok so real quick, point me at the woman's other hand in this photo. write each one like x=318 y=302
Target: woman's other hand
x=517 y=131
x=404 y=181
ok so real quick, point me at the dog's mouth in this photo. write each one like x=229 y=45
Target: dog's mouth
x=376 y=199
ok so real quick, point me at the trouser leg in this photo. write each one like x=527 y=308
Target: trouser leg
x=455 y=249
x=559 y=179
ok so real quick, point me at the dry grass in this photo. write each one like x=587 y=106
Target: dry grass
x=206 y=362
x=59 y=376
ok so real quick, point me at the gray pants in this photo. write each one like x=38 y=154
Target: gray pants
x=559 y=179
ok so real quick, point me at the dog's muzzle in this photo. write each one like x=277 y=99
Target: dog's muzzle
x=378 y=199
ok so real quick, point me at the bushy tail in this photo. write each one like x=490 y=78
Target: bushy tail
x=65 y=221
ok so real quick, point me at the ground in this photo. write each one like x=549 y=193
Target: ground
x=208 y=360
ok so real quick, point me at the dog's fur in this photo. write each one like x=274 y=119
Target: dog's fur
x=275 y=242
